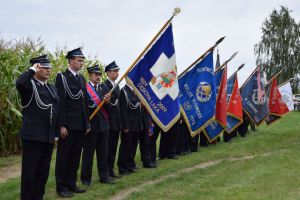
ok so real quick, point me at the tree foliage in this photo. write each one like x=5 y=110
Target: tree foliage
x=279 y=47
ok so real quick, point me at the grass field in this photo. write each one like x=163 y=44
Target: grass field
x=265 y=165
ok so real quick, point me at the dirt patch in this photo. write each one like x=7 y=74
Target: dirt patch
x=10 y=172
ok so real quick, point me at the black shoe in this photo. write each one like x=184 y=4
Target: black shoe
x=86 y=183
x=78 y=190
x=173 y=157
x=124 y=173
x=149 y=165
x=185 y=152
x=108 y=180
x=115 y=176
x=161 y=157
x=203 y=145
x=131 y=170
x=65 y=194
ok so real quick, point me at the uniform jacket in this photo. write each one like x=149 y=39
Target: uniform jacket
x=38 y=124
x=113 y=107
x=133 y=119
x=73 y=112
x=99 y=122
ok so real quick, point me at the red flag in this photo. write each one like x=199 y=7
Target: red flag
x=235 y=102
x=221 y=106
x=276 y=106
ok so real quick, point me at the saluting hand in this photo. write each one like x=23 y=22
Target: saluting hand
x=63 y=132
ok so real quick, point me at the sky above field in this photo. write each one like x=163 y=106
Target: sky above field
x=119 y=30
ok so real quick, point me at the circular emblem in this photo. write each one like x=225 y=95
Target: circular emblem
x=187 y=105
x=256 y=100
x=203 y=91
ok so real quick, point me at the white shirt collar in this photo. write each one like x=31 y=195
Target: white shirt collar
x=41 y=82
x=72 y=71
x=92 y=84
x=112 y=82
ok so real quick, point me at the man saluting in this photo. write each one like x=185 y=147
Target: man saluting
x=40 y=105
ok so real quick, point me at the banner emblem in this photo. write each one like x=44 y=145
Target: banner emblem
x=203 y=92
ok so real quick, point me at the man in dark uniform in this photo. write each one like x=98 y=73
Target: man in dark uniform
x=243 y=128
x=97 y=139
x=195 y=141
x=39 y=119
x=144 y=138
x=167 y=146
x=133 y=127
x=203 y=140
x=186 y=137
x=73 y=123
x=228 y=136
x=112 y=71
x=153 y=138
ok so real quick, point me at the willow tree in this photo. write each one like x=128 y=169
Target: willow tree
x=279 y=47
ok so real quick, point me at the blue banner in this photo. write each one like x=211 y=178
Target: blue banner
x=197 y=95
x=154 y=79
x=214 y=129
x=254 y=99
x=230 y=84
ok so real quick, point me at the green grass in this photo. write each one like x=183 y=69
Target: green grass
x=272 y=173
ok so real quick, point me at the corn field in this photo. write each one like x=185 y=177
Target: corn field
x=14 y=59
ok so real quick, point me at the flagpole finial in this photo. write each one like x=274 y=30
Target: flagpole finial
x=220 y=40
x=176 y=11
x=241 y=66
x=233 y=55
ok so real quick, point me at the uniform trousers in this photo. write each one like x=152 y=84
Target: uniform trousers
x=95 y=141
x=36 y=158
x=68 y=160
x=112 y=146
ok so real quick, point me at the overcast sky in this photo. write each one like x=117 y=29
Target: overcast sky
x=119 y=30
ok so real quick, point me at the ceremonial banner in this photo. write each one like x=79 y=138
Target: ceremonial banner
x=276 y=106
x=221 y=104
x=234 y=108
x=287 y=95
x=154 y=79
x=197 y=95
x=254 y=98
x=214 y=129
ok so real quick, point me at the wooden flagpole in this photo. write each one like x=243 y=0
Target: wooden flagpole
x=175 y=12
x=239 y=68
x=202 y=56
x=227 y=61
x=275 y=76
x=285 y=82
x=249 y=76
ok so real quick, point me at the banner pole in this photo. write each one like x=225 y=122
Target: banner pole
x=175 y=12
